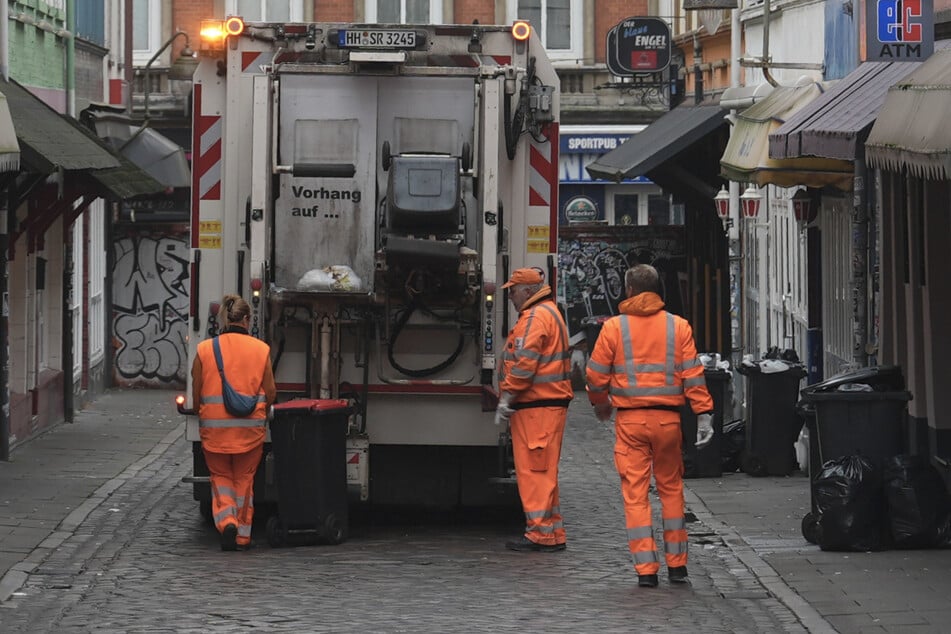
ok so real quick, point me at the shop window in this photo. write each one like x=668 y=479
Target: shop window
x=658 y=210
x=625 y=209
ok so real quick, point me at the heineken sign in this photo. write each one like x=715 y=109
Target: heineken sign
x=638 y=45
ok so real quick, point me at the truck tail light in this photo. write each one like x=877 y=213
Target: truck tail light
x=234 y=25
x=521 y=30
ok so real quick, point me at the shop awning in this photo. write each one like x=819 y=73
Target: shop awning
x=747 y=159
x=50 y=141
x=912 y=130
x=9 y=148
x=659 y=142
x=835 y=123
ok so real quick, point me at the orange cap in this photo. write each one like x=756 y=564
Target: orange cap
x=525 y=276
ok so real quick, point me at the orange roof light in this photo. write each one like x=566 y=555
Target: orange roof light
x=212 y=35
x=521 y=30
x=234 y=25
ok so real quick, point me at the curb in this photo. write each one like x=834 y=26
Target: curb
x=19 y=573
x=771 y=580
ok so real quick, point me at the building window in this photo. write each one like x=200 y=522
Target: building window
x=557 y=22
x=404 y=11
x=626 y=209
x=146 y=30
x=266 y=10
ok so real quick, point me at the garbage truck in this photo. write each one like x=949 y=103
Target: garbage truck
x=369 y=188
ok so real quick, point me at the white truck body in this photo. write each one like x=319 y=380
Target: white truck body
x=369 y=200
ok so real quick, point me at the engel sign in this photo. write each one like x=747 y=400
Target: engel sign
x=638 y=45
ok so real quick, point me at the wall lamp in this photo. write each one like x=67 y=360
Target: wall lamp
x=183 y=68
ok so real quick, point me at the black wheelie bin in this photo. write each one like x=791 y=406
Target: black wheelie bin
x=309 y=443
x=707 y=461
x=773 y=424
x=858 y=413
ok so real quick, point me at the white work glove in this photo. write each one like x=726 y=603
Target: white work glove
x=603 y=412
x=704 y=429
x=504 y=410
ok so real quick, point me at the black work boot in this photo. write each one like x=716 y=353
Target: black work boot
x=524 y=544
x=229 y=537
x=647 y=581
x=677 y=574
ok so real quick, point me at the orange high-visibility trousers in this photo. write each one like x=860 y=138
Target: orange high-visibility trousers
x=646 y=440
x=537 y=433
x=232 y=489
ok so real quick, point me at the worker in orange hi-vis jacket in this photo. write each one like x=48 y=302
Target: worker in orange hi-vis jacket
x=535 y=386
x=645 y=364
x=232 y=445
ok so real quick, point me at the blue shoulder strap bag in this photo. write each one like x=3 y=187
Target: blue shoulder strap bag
x=237 y=404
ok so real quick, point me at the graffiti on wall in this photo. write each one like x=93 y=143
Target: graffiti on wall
x=150 y=310
x=592 y=262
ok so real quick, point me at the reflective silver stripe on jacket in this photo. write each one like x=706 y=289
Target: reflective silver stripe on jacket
x=231 y=422
x=631 y=368
x=524 y=353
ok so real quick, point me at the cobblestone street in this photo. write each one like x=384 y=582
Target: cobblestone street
x=144 y=561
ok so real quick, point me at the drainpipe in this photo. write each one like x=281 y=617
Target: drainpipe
x=766 y=11
x=735 y=235
x=69 y=43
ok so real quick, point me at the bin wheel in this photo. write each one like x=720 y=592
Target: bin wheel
x=276 y=535
x=204 y=508
x=810 y=527
x=335 y=531
x=753 y=466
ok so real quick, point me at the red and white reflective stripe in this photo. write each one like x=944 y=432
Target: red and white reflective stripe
x=207 y=142
x=543 y=179
x=251 y=61
x=254 y=61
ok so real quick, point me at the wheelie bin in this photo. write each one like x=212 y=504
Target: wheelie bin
x=773 y=423
x=707 y=462
x=308 y=441
x=867 y=421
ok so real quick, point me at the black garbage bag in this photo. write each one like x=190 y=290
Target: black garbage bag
x=919 y=507
x=731 y=446
x=851 y=506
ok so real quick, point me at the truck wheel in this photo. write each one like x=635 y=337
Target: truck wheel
x=276 y=536
x=204 y=507
x=334 y=530
x=466 y=157
x=385 y=156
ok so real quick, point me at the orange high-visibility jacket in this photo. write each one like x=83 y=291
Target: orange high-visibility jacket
x=646 y=357
x=247 y=365
x=536 y=363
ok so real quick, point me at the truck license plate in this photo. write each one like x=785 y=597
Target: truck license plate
x=376 y=39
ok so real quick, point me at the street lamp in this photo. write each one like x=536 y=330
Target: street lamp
x=802 y=208
x=183 y=68
x=722 y=201
x=750 y=202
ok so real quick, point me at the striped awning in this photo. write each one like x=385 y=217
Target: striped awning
x=912 y=130
x=9 y=148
